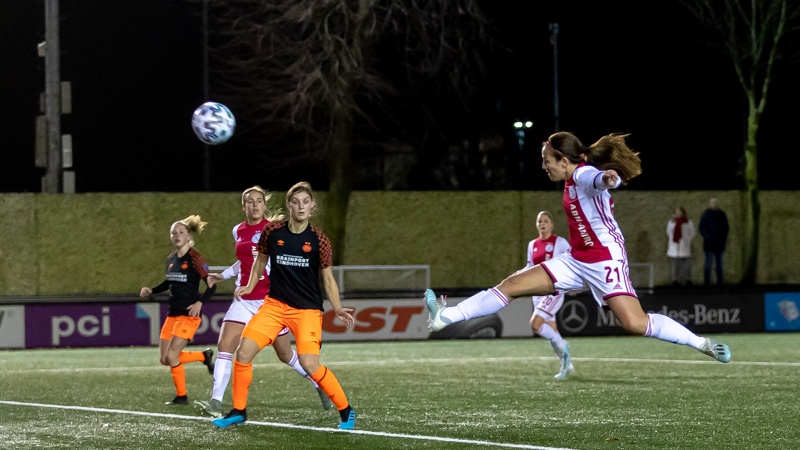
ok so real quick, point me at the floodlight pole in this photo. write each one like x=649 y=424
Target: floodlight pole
x=554 y=43
x=52 y=94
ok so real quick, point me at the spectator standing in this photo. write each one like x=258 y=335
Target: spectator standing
x=714 y=229
x=680 y=231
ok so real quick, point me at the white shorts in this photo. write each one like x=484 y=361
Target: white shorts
x=547 y=306
x=242 y=311
x=605 y=278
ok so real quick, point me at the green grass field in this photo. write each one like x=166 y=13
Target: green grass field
x=628 y=393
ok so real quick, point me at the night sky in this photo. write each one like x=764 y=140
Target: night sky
x=637 y=67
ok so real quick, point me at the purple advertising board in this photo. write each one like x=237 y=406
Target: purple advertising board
x=113 y=324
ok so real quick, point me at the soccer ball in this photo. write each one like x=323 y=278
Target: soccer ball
x=213 y=123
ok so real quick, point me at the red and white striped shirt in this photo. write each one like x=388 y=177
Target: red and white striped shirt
x=246 y=238
x=594 y=234
x=542 y=250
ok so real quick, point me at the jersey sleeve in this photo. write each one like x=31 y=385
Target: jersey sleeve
x=200 y=265
x=562 y=245
x=232 y=271
x=590 y=180
x=235 y=232
x=325 y=251
x=263 y=248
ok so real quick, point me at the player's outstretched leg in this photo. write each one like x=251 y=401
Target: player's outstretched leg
x=234 y=417
x=716 y=350
x=435 y=308
x=481 y=304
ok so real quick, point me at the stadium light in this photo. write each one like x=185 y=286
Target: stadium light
x=520 y=127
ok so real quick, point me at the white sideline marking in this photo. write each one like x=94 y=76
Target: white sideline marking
x=421 y=361
x=287 y=425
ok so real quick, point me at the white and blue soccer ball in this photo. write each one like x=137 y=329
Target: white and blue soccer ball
x=213 y=123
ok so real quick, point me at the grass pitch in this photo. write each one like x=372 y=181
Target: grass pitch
x=628 y=393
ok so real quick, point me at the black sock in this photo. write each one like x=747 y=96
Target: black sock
x=237 y=412
x=345 y=413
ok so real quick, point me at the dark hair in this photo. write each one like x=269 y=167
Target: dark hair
x=610 y=152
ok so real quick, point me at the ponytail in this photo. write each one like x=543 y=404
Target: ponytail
x=612 y=153
x=609 y=153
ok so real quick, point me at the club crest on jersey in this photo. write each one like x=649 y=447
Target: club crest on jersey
x=280 y=242
x=548 y=248
x=307 y=247
x=256 y=238
x=573 y=193
x=185 y=265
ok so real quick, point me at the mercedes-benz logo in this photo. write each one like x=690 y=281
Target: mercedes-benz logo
x=574 y=316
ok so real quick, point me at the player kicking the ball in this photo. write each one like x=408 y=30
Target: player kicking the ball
x=598 y=249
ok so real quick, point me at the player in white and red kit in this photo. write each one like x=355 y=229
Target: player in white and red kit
x=598 y=254
x=545 y=307
x=246 y=236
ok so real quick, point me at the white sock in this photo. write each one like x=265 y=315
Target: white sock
x=551 y=335
x=222 y=374
x=481 y=304
x=665 y=328
x=294 y=363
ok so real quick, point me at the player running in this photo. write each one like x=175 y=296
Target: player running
x=598 y=249
x=245 y=237
x=298 y=253
x=185 y=269
x=545 y=307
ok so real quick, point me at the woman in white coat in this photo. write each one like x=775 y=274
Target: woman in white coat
x=680 y=231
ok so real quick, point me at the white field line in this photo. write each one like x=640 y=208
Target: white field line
x=415 y=361
x=287 y=425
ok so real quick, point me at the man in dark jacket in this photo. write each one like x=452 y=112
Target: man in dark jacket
x=714 y=229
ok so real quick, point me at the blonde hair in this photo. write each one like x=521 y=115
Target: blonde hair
x=194 y=225
x=546 y=213
x=302 y=186
x=272 y=216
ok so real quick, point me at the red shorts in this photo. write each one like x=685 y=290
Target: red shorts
x=274 y=315
x=181 y=326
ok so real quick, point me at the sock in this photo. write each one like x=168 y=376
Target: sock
x=242 y=377
x=179 y=378
x=222 y=374
x=481 y=304
x=294 y=363
x=344 y=414
x=187 y=357
x=558 y=351
x=328 y=382
x=665 y=328
x=551 y=335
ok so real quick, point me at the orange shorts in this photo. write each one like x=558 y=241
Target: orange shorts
x=274 y=315
x=181 y=326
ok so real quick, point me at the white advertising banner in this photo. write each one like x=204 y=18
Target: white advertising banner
x=12 y=326
x=399 y=319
